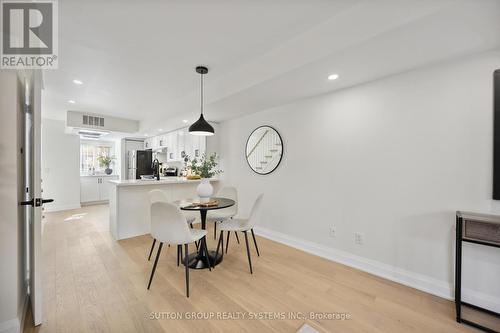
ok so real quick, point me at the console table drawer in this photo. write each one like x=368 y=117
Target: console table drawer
x=488 y=232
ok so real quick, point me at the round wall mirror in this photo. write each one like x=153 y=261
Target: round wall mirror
x=264 y=150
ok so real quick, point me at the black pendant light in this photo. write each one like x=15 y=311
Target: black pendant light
x=201 y=126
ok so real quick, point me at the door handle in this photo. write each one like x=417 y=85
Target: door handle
x=27 y=203
x=37 y=202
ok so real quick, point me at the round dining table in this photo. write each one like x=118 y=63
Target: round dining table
x=197 y=260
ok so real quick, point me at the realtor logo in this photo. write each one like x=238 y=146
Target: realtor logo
x=29 y=34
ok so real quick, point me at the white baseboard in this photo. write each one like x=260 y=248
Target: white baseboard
x=418 y=281
x=10 y=326
x=92 y=203
x=16 y=325
x=56 y=208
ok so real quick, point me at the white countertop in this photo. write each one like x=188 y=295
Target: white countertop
x=162 y=181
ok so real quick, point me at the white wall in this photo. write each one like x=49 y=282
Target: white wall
x=392 y=159
x=60 y=166
x=12 y=291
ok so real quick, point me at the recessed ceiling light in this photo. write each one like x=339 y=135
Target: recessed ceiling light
x=332 y=77
x=146 y=134
x=185 y=121
x=160 y=129
x=76 y=81
x=71 y=101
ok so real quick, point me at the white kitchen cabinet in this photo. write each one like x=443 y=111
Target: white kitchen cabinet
x=155 y=142
x=178 y=143
x=89 y=189
x=95 y=188
x=162 y=141
x=172 y=148
x=202 y=145
x=181 y=143
x=197 y=146
x=189 y=144
x=169 y=143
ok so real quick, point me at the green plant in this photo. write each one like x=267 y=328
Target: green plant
x=105 y=161
x=206 y=166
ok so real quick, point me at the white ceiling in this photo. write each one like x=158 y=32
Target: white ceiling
x=137 y=58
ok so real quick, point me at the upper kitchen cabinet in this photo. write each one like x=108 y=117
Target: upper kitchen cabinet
x=182 y=139
x=179 y=143
x=171 y=145
x=155 y=144
x=162 y=141
x=195 y=145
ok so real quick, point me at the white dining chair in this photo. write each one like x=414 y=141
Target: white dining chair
x=161 y=196
x=219 y=215
x=169 y=225
x=242 y=225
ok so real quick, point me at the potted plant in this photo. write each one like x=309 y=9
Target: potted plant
x=206 y=168
x=105 y=161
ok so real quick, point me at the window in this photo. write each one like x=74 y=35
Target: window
x=89 y=151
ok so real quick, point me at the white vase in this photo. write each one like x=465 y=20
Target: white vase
x=205 y=190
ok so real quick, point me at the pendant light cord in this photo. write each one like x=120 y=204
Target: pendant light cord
x=201 y=99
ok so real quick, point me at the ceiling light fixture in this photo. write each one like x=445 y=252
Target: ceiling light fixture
x=71 y=101
x=160 y=129
x=76 y=81
x=201 y=126
x=332 y=77
x=185 y=121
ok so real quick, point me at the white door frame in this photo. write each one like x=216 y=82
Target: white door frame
x=32 y=83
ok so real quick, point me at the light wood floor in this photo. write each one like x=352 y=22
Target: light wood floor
x=92 y=283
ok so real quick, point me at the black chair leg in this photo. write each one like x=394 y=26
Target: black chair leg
x=195 y=243
x=248 y=252
x=255 y=242
x=152 y=247
x=227 y=240
x=205 y=249
x=221 y=239
x=215 y=229
x=154 y=265
x=222 y=244
x=179 y=254
x=187 y=269
x=237 y=238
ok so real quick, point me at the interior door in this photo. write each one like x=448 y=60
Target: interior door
x=32 y=82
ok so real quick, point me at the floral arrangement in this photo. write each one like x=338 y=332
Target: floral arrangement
x=105 y=161
x=206 y=167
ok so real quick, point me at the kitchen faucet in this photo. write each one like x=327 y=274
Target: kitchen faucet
x=156 y=168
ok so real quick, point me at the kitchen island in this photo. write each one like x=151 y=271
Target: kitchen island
x=129 y=206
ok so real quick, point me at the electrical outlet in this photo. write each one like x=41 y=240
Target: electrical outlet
x=333 y=232
x=358 y=238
